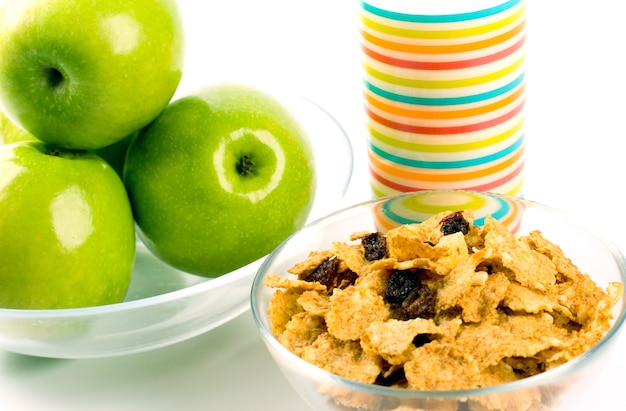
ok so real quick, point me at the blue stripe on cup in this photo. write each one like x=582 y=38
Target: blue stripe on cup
x=439 y=18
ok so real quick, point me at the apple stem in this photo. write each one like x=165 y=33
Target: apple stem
x=61 y=153
x=54 y=77
x=54 y=152
x=245 y=166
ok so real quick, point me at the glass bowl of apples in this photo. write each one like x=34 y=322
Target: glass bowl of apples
x=165 y=305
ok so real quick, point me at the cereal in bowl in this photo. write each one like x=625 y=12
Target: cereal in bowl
x=440 y=305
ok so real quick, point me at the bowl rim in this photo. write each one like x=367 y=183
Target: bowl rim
x=549 y=376
x=210 y=283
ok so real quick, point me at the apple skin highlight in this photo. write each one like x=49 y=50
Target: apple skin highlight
x=84 y=75
x=66 y=229
x=194 y=207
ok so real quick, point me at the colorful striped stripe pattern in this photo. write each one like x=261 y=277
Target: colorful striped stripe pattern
x=418 y=207
x=444 y=98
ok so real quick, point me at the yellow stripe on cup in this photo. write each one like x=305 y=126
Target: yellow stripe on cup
x=445 y=67
x=507 y=177
x=450 y=24
x=448 y=83
x=473 y=45
x=418 y=207
x=439 y=112
x=438 y=146
x=433 y=33
x=392 y=170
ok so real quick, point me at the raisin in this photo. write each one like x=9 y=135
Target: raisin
x=375 y=246
x=409 y=296
x=346 y=278
x=454 y=223
x=328 y=275
x=421 y=339
x=325 y=273
x=399 y=285
x=420 y=303
x=394 y=379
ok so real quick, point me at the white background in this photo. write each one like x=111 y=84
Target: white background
x=575 y=161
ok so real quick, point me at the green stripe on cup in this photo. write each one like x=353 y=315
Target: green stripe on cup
x=404 y=210
x=445 y=101
x=459 y=33
x=438 y=147
x=442 y=165
x=439 y=18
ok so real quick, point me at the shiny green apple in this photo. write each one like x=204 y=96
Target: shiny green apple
x=113 y=154
x=11 y=133
x=85 y=74
x=219 y=179
x=67 y=234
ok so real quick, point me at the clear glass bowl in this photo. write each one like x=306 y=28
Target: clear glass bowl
x=164 y=305
x=559 y=388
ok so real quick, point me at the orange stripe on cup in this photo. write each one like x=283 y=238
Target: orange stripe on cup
x=444 y=65
x=405 y=173
x=445 y=130
x=441 y=114
x=482 y=187
x=413 y=82
x=443 y=49
x=495 y=184
x=379 y=190
x=440 y=144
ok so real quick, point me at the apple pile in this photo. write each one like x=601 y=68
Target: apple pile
x=96 y=153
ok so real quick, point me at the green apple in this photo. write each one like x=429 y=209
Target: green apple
x=85 y=74
x=67 y=236
x=219 y=179
x=11 y=133
x=113 y=154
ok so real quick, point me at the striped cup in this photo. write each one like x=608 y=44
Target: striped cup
x=444 y=94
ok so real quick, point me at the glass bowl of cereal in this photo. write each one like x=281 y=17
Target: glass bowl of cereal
x=441 y=300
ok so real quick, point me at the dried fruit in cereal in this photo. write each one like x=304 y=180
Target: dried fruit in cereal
x=440 y=305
